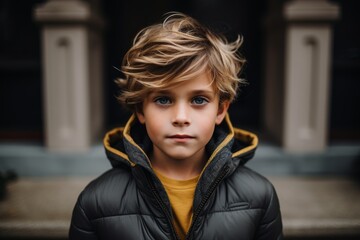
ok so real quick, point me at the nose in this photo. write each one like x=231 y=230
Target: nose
x=181 y=115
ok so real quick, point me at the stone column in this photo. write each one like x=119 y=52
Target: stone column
x=72 y=73
x=298 y=83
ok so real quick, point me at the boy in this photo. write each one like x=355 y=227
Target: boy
x=178 y=168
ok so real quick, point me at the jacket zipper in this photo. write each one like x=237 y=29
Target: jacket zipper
x=212 y=188
x=163 y=207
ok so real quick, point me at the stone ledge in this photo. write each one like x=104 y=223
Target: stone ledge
x=34 y=229
x=319 y=206
x=33 y=160
x=39 y=207
x=311 y=207
x=321 y=227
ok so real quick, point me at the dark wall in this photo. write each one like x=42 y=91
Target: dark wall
x=231 y=17
x=245 y=18
x=345 y=87
x=20 y=72
x=21 y=114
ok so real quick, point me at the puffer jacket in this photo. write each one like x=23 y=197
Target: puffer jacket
x=129 y=202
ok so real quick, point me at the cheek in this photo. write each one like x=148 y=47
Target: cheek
x=152 y=120
x=206 y=128
x=154 y=126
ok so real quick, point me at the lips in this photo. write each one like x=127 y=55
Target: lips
x=180 y=136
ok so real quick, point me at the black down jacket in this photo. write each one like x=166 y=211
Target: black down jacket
x=129 y=202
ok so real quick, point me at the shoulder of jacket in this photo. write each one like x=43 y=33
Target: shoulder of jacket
x=105 y=191
x=244 y=173
x=108 y=179
x=256 y=188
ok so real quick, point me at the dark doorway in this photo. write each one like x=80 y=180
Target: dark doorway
x=125 y=18
x=20 y=72
x=345 y=84
x=21 y=93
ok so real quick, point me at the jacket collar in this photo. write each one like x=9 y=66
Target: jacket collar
x=240 y=144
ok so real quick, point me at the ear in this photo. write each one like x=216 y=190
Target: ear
x=223 y=107
x=140 y=117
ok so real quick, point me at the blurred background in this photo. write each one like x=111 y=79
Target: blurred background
x=58 y=63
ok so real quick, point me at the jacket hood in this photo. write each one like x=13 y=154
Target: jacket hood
x=133 y=139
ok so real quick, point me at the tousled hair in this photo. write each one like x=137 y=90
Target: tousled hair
x=178 y=50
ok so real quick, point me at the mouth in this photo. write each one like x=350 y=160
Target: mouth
x=181 y=137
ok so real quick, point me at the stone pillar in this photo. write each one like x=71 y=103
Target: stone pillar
x=298 y=83
x=72 y=73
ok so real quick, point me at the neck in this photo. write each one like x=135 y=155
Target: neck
x=178 y=169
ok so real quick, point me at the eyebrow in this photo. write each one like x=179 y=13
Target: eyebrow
x=198 y=92
x=194 y=92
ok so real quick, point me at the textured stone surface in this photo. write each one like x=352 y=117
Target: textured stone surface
x=311 y=206
x=319 y=206
x=39 y=207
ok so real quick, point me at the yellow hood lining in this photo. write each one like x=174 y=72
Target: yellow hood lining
x=108 y=147
x=247 y=137
x=240 y=134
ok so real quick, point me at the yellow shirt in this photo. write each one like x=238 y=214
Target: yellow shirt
x=181 y=195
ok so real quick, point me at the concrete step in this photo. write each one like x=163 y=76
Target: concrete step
x=34 y=160
x=312 y=207
x=39 y=207
x=319 y=206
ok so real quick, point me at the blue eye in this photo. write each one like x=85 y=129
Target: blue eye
x=163 y=101
x=199 y=100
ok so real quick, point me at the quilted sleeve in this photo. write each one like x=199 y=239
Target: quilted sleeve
x=81 y=227
x=271 y=223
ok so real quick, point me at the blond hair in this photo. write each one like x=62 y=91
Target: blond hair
x=179 y=49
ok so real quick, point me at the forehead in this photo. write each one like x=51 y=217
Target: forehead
x=203 y=82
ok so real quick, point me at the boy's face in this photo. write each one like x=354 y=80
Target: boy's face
x=181 y=121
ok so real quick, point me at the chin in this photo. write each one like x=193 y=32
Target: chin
x=180 y=156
